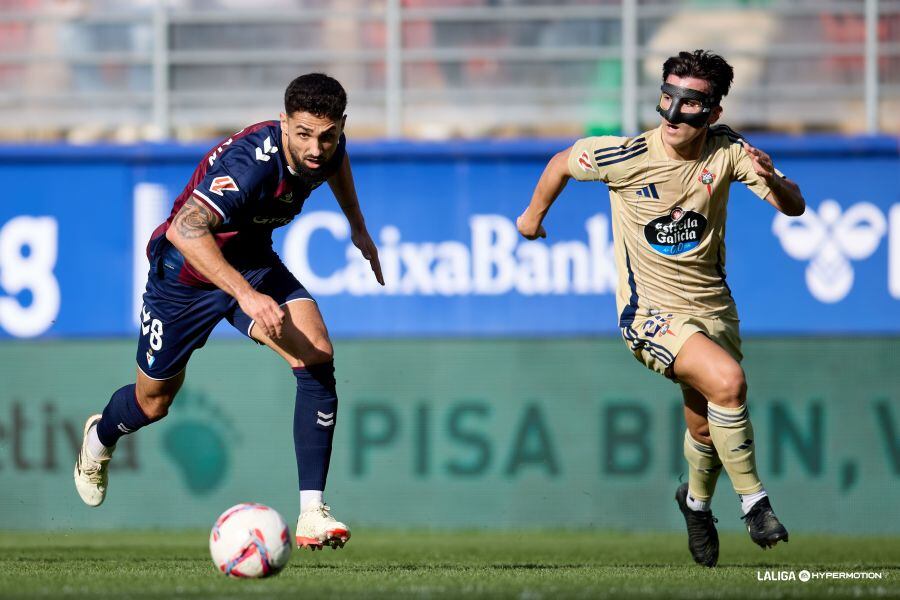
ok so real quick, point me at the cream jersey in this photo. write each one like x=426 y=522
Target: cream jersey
x=668 y=218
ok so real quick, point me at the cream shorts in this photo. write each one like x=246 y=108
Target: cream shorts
x=655 y=340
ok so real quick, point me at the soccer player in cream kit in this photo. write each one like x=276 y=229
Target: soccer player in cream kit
x=668 y=189
x=213 y=259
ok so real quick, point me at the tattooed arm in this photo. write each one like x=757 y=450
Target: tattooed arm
x=191 y=232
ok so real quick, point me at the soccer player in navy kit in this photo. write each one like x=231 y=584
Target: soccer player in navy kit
x=213 y=259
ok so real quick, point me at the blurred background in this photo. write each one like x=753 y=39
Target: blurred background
x=92 y=70
x=486 y=385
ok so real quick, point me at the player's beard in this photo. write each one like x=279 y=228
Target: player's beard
x=302 y=169
x=300 y=165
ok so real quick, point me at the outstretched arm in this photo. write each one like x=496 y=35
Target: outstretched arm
x=191 y=233
x=784 y=194
x=341 y=184
x=549 y=186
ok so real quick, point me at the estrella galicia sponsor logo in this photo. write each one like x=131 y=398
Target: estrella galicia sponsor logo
x=676 y=233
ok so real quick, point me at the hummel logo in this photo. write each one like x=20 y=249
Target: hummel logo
x=267 y=149
x=329 y=419
x=145 y=320
x=830 y=238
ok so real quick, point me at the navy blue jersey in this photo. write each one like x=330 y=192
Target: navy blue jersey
x=248 y=183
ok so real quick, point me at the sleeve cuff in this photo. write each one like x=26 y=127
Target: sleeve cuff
x=205 y=200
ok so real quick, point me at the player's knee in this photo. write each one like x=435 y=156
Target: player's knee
x=700 y=432
x=324 y=351
x=731 y=387
x=319 y=355
x=319 y=352
x=156 y=404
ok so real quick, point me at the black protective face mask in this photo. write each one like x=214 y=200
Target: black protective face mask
x=674 y=115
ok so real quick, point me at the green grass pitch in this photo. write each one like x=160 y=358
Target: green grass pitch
x=386 y=564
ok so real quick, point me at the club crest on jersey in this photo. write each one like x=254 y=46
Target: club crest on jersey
x=584 y=161
x=707 y=178
x=676 y=233
x=150 y=358
x=223 y=184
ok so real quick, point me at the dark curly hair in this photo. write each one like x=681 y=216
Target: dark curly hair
x=702 y=65
x=317 y=94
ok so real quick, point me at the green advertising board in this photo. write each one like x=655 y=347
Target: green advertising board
x=454 y=433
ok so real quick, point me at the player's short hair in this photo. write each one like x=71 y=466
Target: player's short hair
x=317 y=94
x=702 y=65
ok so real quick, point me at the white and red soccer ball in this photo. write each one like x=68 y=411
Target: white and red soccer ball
x=250 y=540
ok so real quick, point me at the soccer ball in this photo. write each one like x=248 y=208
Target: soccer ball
x=250 y=540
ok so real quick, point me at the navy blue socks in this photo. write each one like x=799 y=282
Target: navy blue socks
x=122 y=415
x=315 y=412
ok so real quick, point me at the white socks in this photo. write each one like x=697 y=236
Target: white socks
x=96 y=449
x=695 y=504
x=748 y=500
x=310 y=498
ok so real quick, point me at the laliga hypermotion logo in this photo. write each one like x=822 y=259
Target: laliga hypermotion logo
x=829 y=239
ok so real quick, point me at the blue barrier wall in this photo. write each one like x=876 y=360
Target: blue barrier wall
x=74 y=220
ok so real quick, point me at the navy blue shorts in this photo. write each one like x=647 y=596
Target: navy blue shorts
x=176 y=319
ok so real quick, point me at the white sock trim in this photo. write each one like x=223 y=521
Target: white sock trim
x=748 y=500
x=695 y=504
x=95 y=448
x=310 y=498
